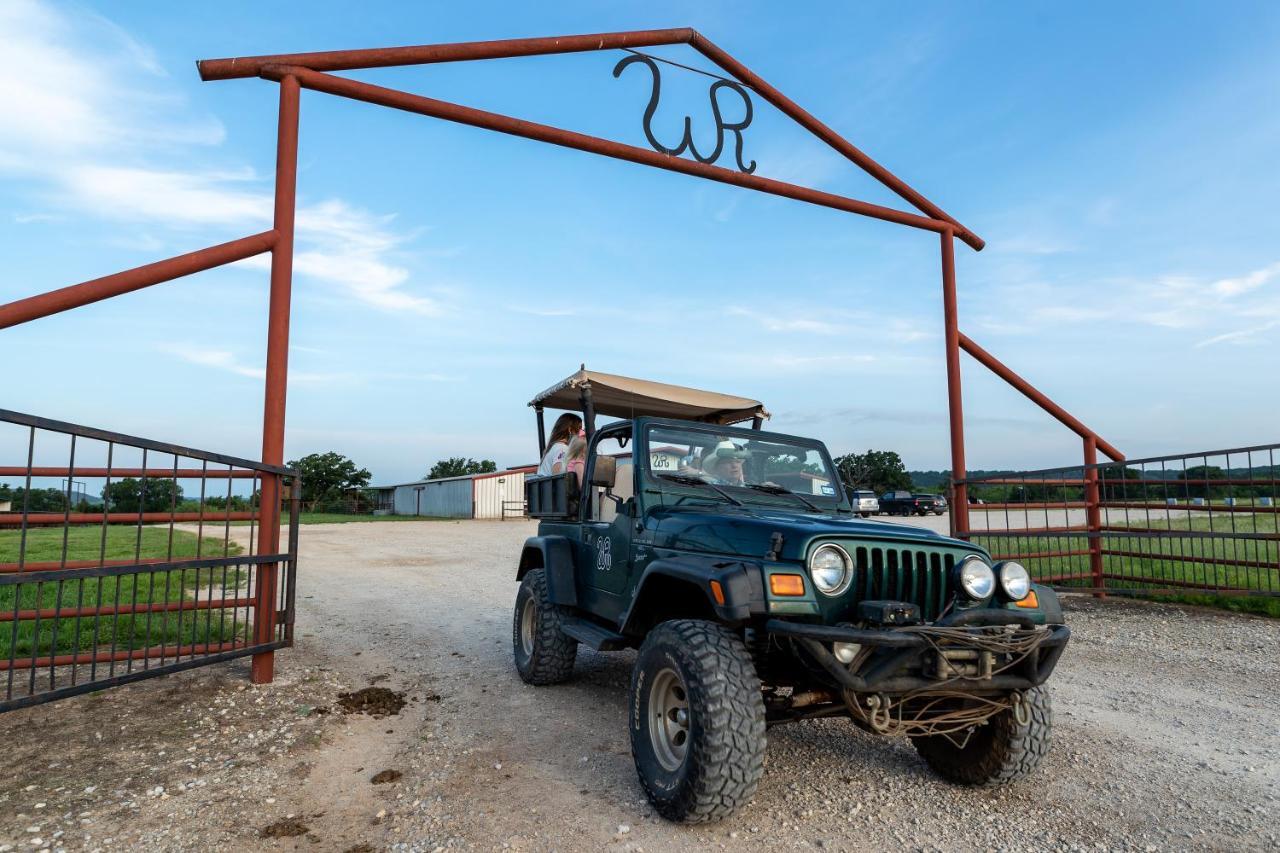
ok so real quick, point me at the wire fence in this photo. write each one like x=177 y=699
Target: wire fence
x=1200 y=522
x=123 y=558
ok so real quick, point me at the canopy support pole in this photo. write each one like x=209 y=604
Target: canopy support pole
x=542 y=432
x=588 y=412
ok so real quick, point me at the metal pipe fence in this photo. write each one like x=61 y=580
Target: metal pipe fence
x=1199 y=522
x=123 y=558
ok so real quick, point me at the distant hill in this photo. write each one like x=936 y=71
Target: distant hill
x=931 y=481
x=928 y=481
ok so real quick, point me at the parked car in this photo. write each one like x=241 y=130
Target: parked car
x=864 y=502
x=905 y=503
x=755 y=600
x=939 y=503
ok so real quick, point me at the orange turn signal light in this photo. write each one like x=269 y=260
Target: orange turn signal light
x=717 y=592
x=786 y=584
x=1030 y=601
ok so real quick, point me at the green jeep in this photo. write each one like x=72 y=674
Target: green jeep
x=732 y=559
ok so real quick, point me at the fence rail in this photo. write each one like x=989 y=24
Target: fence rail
x=1199 y=522
x=123 y=558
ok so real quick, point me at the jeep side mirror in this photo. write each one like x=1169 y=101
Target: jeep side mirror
x=605 y=472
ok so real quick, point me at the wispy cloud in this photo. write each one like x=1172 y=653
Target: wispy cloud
x=1247 y=336
x=545 y=311
x=229 y=362
x=28 y=218
x=817 y=319
x=1232 y=309
x=1244 y=284
x=99 y=107
x=778 y=323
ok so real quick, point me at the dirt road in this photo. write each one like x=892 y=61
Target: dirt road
x=1167 y=736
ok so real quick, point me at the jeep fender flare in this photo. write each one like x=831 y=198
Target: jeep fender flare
x=554 y=554
x=741 y=583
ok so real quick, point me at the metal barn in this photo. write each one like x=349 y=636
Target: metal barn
x=447 y=498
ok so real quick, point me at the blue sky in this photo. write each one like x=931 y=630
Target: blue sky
x=1119 y=159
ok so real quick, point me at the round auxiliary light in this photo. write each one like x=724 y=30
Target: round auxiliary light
x=976 y=578
x=1014 y=580
x=831 y=569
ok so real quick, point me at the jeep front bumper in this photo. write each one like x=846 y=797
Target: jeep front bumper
x=908 y=660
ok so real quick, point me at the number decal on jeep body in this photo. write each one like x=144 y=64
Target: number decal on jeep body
x=604 y=554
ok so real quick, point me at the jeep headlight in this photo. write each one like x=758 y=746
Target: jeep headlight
x=1014 y=580
x=831 y=569
x=976 y=578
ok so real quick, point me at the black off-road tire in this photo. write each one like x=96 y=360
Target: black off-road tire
x=725 y=743
x=549 y=657
x=1000 y=752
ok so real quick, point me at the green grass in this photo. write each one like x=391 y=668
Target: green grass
x=44 y=544
x=126 y=631
x=1255 y=604
x=1197 y=569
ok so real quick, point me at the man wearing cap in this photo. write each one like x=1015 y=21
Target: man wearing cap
x=723 y=463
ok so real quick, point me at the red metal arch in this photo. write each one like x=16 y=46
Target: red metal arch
x=296 y=71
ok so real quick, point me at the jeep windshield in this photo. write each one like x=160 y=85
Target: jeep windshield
x=751 y=466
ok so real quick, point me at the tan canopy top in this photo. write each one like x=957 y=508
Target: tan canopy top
x=624 y=397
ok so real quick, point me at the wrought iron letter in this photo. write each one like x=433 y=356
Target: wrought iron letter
x=686 y=143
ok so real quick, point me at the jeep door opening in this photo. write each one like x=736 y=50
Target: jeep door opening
x=733 y=560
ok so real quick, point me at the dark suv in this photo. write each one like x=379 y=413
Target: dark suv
x=733 y=561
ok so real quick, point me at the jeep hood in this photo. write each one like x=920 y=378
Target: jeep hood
x=747 y=531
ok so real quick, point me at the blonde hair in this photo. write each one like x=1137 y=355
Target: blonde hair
x=577 y=449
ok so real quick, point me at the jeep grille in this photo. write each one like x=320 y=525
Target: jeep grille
x=902 y=574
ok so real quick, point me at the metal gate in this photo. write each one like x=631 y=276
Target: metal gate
x=123 y=558
x=1190 y=523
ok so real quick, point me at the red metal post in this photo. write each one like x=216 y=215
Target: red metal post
x=955 y=402
x=1093 y=514
x=277 y=373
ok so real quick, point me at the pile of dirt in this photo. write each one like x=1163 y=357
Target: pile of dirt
x=374 y=701
x=289 y=827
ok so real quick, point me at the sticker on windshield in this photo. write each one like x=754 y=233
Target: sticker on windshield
x=828 y=490
x=664 y=462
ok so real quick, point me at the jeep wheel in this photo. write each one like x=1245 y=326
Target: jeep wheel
x=697 y=721
x=1002 y=751
x=866 y=515
x=544 y=654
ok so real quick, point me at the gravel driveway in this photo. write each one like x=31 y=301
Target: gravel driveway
x=1167 y=736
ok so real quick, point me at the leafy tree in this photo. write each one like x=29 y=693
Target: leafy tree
x=128 y=495
x=457 y=466
x=878 y=470
x=325 y=476
x=40 y=500
x=1114 y=487
x=1201 y=489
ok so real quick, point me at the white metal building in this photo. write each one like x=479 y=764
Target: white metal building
x=502 y=488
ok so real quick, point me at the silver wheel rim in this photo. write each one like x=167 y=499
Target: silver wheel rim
x=528 y=616
x=669 y=719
